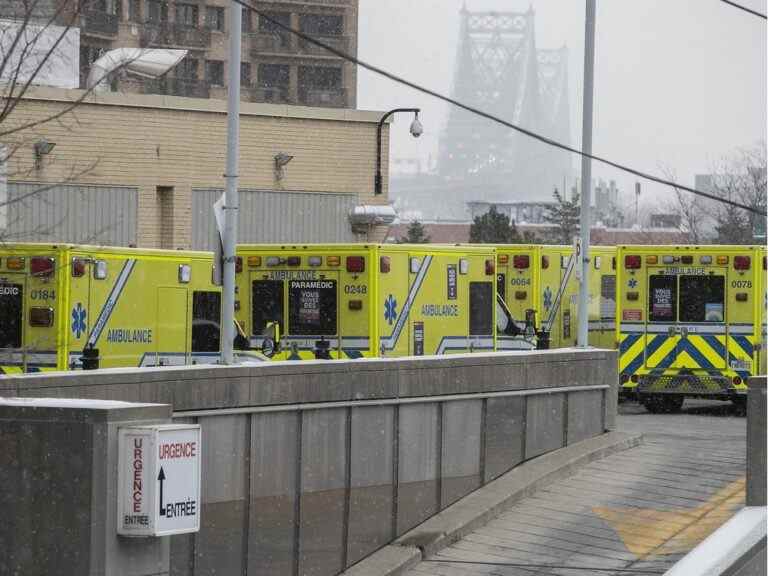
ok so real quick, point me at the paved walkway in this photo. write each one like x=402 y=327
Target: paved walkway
x=634 y=513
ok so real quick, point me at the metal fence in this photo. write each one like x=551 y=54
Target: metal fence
x=311 y=489
x=269 y=216
x=38 y=212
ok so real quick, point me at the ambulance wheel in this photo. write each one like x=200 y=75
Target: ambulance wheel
x=740 y=403
x=662 y=403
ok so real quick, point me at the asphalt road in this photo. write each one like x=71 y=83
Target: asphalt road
x=634 y=513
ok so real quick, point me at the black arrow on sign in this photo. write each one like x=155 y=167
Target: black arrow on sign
x=161 y=477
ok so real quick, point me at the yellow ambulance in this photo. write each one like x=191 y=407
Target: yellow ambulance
x=365 y=300
x=691 y=322
x=69 y=307
x=540 y=286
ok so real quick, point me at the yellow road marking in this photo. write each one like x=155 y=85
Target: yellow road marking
x=647 y=532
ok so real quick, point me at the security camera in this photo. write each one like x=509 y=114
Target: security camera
x=416 y=128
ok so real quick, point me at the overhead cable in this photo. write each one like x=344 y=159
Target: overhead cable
x=536 y=136
x=741 y=7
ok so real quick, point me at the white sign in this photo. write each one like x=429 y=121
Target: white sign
x=159 y=480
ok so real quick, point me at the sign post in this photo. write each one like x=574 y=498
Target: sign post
x=159 y=480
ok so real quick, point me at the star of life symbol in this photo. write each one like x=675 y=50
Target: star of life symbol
x=78 y=320
x=390 y=309
x=632 y=282
x=547 y=298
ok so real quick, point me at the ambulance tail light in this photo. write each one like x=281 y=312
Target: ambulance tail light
x=668 y=259
x=238 y=264
x=41 y=317
x=273 y=261
x=333 y=260
x=15 y=263
x=521 y=261
x=355 y=264
x=315 y=261
x=624 y=378
x=736 y=380
x=634 y=378
x=100 y=270
x=384 y=264
x=705 y=260
x=545 y=262
x=503 y=258
x=632 y=262
x=42 y=266
x=722 y=259
x=78 y=267
x=686 y=259
x=741 y=262
x=254 y=261
x=293 y=261
x=490 y=267
x=652 y=259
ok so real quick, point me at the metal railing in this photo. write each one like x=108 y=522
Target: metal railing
x=271 y=43
x=337 y=42
x=98 y=22
x=171 y=34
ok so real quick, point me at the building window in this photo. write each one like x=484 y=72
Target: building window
x=320 y=77
x=322 y=24
x=187 y=15
x=214 y=18
x=273 y=75
x=267 y=27
x=134 y=11
x=214 y=72
x=245 y=74
x=245 y=24
x=187 y=69
x=156 y=11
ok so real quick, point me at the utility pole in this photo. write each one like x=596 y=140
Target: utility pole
x=586 y=173
x=637 y=204
x=231 y=200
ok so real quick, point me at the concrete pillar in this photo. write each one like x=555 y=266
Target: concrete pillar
x=58 y=472
x=756 y=442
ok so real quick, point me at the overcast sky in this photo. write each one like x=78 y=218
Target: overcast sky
x=678 y=83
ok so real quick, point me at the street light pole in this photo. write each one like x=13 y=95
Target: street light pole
x=586 y=173
x=231 y=200
x=416 y=131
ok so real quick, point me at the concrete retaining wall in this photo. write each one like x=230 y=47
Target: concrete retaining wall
x=310 y=466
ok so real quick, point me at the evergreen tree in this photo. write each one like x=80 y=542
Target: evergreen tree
x=416 y=234
x=494 y=227
x=564 y=215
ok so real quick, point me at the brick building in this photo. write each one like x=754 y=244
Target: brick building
x=276 y=67
x=145 y=169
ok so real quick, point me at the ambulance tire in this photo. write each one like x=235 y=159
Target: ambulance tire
x=662 y=403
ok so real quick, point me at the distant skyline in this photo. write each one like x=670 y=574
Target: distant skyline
x=678 y=83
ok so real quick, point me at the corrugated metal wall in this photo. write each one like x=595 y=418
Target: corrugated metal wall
x=267 y=216
x=70 y=213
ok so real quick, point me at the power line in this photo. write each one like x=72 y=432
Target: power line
x=536 y=136
x=740 y=7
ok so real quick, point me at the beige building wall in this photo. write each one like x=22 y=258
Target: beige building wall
x=166 y=146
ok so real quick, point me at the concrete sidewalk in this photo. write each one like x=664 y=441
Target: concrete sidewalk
x=635 y=512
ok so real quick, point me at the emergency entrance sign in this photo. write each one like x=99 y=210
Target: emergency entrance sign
x=159 y=480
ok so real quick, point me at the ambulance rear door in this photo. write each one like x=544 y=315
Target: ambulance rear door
x=12 y=293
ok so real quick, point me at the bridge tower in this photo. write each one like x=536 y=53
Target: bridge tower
x=499 y=70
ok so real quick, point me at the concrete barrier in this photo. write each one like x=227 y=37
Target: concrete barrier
x=308 y=467
x=58 y=486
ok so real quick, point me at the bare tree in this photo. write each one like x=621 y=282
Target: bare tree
x=691 y=210
x=740 y=177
